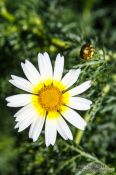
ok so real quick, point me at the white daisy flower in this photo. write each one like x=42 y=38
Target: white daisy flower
x=49 y=100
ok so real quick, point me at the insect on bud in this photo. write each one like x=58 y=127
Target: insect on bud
x=87 y=51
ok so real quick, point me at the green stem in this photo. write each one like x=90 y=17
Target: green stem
x=66 y=163
x=87 y=155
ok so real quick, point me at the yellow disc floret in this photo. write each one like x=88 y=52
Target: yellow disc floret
x=50 y=98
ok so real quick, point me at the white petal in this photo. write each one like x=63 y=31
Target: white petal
x=19 y=100
x=28 y=115
x=50 y=131
x=21 y=83
x=80 y=89
x=79 y=103
x=58 y=68
x=25 y=124
x=31 y=72
x=23 y=109
x=71 y=77
x=74 y=118
x=16 y=126
x=45 y=66
x=63 y=129
x=60 y=131
x=26 y=121
x=24 y=112
x=36 y=127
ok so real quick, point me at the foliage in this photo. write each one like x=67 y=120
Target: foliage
x=29 y=27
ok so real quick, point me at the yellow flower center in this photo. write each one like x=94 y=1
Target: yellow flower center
x=50 y=98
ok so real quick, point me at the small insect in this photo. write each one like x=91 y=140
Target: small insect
x=87 y=51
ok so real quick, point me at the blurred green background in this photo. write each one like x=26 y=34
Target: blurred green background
x=29 y=27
